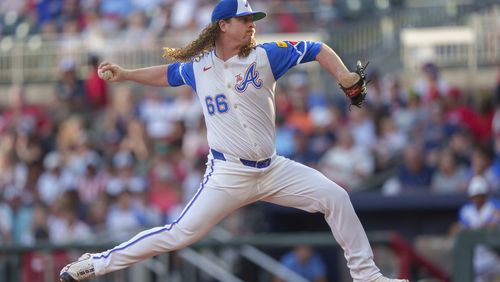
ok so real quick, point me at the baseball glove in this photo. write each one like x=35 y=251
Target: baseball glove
x=358 y=91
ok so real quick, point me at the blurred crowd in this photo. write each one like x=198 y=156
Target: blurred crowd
x=94 y=20
x=104 y=161
x=108 y=160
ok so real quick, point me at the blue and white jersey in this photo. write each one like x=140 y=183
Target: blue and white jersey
x=237 y=95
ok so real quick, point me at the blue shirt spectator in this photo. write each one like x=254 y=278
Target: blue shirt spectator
x=306 y=262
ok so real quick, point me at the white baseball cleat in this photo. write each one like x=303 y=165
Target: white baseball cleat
x=385 y=279
x=79 y=270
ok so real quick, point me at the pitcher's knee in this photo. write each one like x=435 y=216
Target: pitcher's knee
x=341 y=194
x=182 y=237
x=335 y=198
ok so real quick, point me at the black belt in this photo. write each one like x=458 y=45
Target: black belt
x=257 y=164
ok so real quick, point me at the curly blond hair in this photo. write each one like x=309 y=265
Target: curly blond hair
x=202 y=45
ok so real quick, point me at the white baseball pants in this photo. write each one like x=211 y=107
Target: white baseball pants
x=229 y=185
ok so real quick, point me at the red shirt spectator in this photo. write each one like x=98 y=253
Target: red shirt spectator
x=96 y=88
x=20 y=116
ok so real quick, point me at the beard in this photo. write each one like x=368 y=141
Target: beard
x=245 y=50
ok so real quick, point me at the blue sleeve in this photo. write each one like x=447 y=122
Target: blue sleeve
x=283 y=55
x=181 y=74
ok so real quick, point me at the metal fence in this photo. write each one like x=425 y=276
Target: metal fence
x=463 y=251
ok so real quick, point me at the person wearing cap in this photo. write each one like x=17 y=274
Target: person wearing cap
x=480 y=213
x=235 y=79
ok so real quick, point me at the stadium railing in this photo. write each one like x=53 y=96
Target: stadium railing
x=463 y=251
x=50 y=258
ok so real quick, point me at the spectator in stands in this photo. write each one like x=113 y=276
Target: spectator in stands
x=124 y=175
x=47 y=10
x=97 y=216
x=326 y=13
x=65 y=227
x=435 y=133
x=138 y=144
x=194 y=143
x=95 y=88
x=481 y=213
x=345 y=163
x=48 y=33
x=28 y=149
x=157 y=113
x=116 y=9
x=19 y=116
x=192 y=181
x=378 y=91
x=482 y=165
x=70 y=41
x=396 y=95
x=409 y=119
x=54 y=180
x=285 y=143
x=287 y=22
x=112 y=125
x=362 y=127
x=390 y=143
x=431 y=87
x=136 y=32
x=458 y=111
x=13 y=174
x=124 y=219
x=326 y=121
x=186 y=108
x=450 y=176
x=306 y=262
x=70 y=12
x=20 y=204
x=484 y=124
x=39 y=227
x=92 y=183
x=461 y=144
x=159 y=25
x=303 y=152
x=412 y=176
x=183 y=16
x=70 y=90
x=299 y=87
x=165 y=183
x=299 y=117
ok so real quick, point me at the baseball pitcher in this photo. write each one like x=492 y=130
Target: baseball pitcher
x=235 y=80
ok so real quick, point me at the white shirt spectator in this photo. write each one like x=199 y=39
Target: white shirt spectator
x=61 y=231
x=182 y=13
x=158 y=116
x=51 y=184
x=347 y=164
x=486 y=261
x=124 y=219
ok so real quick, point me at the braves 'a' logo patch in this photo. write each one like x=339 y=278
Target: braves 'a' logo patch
x=251 y=77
